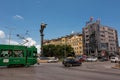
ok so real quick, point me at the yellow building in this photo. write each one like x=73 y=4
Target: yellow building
x=75 y=40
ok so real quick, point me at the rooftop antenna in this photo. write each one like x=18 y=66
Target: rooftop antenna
x=91 y=20
x=98 y=20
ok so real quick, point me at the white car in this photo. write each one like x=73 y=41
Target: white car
x=91 y=59
x=52 y=60
x=114 y=59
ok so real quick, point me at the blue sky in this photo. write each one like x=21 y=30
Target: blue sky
x=62 y=16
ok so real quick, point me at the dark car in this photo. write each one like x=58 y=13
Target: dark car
x=68 y=62
x=102 y=59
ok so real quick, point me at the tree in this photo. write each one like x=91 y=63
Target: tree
x=57 y=51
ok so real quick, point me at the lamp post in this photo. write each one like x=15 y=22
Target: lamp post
x=42 y=35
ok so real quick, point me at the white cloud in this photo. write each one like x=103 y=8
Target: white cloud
x=18 y=17
x=4 y=40
x=38 y=48
x=30 y=42
x=11 y=42
x=2 y=34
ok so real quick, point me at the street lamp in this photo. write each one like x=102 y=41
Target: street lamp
x=42 y=35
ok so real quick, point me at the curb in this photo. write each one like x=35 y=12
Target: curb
x=114 y=67
x=117 y=66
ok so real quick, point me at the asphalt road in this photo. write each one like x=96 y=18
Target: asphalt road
x=56 y=71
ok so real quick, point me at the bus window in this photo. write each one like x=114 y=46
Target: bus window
x=34 y=54
x=29 y=53
x=10 y=53
x=18 y=53
x=4 y=53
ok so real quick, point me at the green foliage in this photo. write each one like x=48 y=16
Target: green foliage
x=59 y=51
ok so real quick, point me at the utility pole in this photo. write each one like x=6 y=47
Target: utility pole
x=10 y=31
x=9 y=37
x=42 y=35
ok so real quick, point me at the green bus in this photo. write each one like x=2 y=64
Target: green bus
x=17 y=55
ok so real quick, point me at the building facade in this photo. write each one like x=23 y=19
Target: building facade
x=75 y=40
x=99 y=40
x=119 y=52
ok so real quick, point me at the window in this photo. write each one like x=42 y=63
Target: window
x=4 y=53
x=18 y=53
x=87 y=35
x=80 y=47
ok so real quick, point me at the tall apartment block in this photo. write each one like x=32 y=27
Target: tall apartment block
x=75 y=40
x=99 y=40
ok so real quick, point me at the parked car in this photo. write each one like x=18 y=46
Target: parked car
x=81 y=58
x=91 y=59
x=114 y=59
x=69 y=62
x=102 y=59
x=53 y=60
